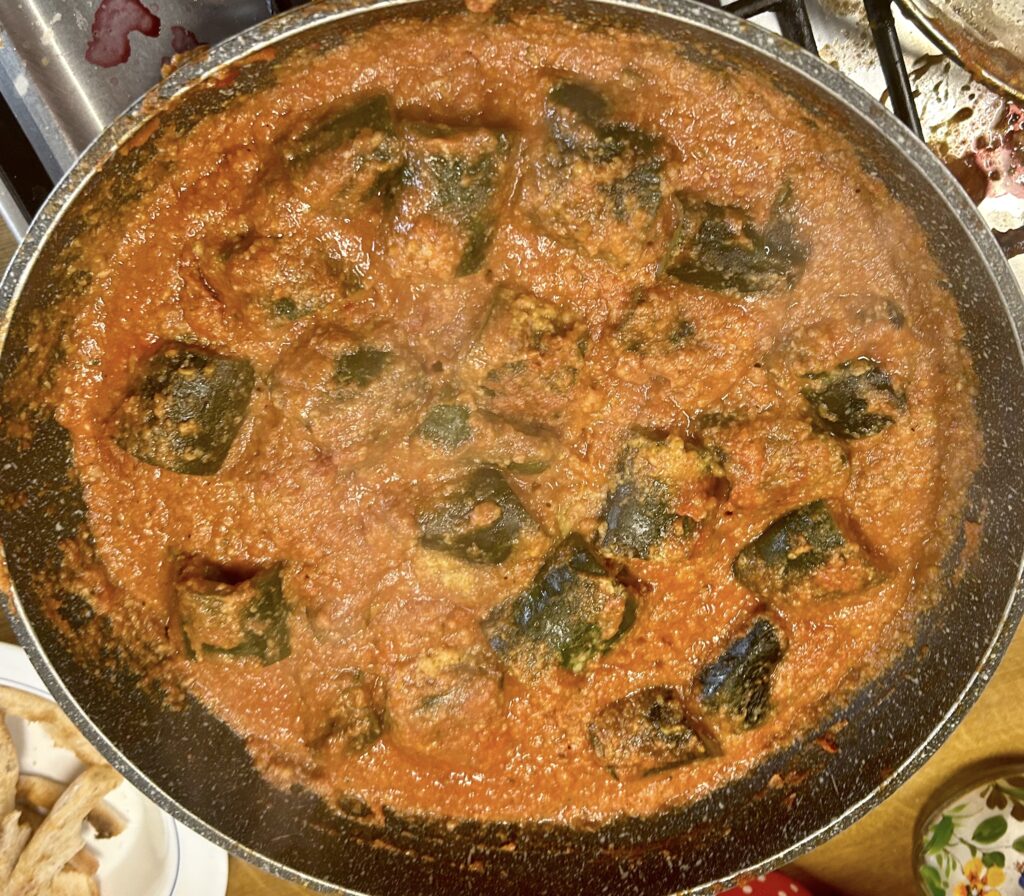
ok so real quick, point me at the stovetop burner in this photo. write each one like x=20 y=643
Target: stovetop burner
x=65 y=76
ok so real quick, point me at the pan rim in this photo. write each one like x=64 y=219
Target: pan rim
x=797 y=61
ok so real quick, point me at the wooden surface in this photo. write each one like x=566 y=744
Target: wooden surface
x=7 y=245
x=874 y=855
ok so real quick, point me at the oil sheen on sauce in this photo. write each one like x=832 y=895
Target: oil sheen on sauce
x=577 y=420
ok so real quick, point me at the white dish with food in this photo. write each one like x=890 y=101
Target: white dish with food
x=152 y=854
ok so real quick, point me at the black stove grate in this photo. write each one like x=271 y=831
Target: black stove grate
x=795 y=24
x=20 y=167
x=894 y=67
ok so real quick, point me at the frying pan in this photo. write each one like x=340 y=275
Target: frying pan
x=193 y=766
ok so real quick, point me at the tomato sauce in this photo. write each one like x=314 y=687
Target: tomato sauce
x=506 y=419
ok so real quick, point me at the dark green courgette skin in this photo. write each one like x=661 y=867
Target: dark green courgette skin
x=452 y=173
x=654 y=326
x=579 y=121
x=354 y=721
x=185 y=411
x=446 y=426
x=576 y=116
x=527 y=468
x=361 y=367
x=637 y=192
x=348 y=390
x=638 y=518
x=804 y=553
x=739 y=683
x=854 y=400
x=449 y=525
x=354 y=154
x=654 y=477
x=286 y=308
x=600 y=179
x=573 y=612
x=372 y=382
x=457 y=174
x=338 y=128
x=646 y=733
x=220 y=616
x=722 y=248
x=789 y=550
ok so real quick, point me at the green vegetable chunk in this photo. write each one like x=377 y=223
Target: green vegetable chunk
x=804 y=554
x=573 y=612
x=480 y=521
x=185 y=410
x=638 y=517
x=352 y=154
x=739 y=682
x=439 y=701
x=599 y=183
x=457 y=175
x=527 y=360
x=447 y=426
x=663 y=489
x=361 y=367
x=723 y=249
x=231 y=616
x=654 y=326
x=350 y=391
x=353 y=721
x=854 y=400
x=287 y=309
x=337 y=128
x=578 y=120
x=527 y=468
x=646 y=733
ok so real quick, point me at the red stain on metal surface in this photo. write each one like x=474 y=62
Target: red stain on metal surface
x=113 y=22
x=183 y=40
x=1003 y=158
x=996 y=164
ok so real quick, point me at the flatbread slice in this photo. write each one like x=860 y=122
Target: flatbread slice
x=59 y=836
x=73 y=883
x=52 y=718
x=13 y=837
x=8 y=770
x=83 y=860
x=42 y=793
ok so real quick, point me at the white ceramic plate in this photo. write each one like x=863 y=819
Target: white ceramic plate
x=154 y=855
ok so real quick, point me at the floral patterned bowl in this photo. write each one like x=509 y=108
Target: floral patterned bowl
x=971 y=843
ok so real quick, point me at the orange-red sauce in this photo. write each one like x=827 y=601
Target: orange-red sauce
x=256 y=247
